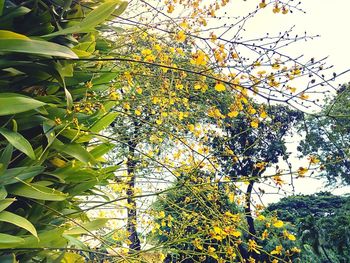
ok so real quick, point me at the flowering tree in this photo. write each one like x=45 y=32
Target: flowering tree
x=182 y=95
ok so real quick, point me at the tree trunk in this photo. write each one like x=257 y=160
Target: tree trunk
x=132 y=212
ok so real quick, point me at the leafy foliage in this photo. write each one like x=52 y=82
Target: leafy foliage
x=321 y=222
x=327 y=137
x=47 y=161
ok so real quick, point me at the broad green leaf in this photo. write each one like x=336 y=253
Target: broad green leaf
x=8 y=241
x=14 y=12
x=102 y=149
x=94 y=18
x=36 y=191
x=47 y=238
x=17 y=220
x=85 y=228
x=5 y=203
x=12 y=103
x=5 y=157
x=18 y=141
x=12 y=35
x=74 y=150
x=36 y=47
x=104 y=122
x=3 y=193
x=104 y=78
x=15 y=175
x=81 y=53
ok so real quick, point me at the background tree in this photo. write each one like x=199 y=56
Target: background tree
x=327 y=137
x=321 y=221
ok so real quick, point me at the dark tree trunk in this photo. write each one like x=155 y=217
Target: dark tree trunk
x=249 y=218
x=132 y=212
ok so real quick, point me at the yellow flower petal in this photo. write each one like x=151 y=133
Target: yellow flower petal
x=220 y=87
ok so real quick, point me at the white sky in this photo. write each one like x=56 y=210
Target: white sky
x=329 y=19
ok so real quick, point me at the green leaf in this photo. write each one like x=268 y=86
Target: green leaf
x=36 y=191
x=3 y=193
x=94 y=18
x=104 y=122
x=5 y=157
x=2 y=2
x=50 y=238
x=5 y=203
x=14 y=12
x=87 y=227
x=36 y=47
x=12 y=35
x=18 y=141
x=17 y=220
x=15 y=175
x=102 y=149
x=122 y=7
x=74 y=150
x=8 y=241
x=12 y=103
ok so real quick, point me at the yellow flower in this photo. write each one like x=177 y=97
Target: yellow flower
x=220 y=87
x=265 y=235
x=235 y=233
x=197 y=86
x=231 y=197
x=170 y=9
x=126 y=106
x=254 y=124
x=261 y=218
x=190 y=127
x=233 y=114
x=263 y=114
x=211 y=250
x=285 y=10
x=313 y=160
x=276 y=9
x=181 y=36
x=251 y=110
x=230 y=251
x=253 y=246
x=139 y=90
x=262 y=4
x=278 y=224
x=137 y=112
x=302 y=171
x=161 y=257
x=303 y=96
x=277 y=179
x=291 y=237
x=198 y=244
x=199 y=58
x=277 y=250
x=146 y=52
x=275 y=66
x=296 y=250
